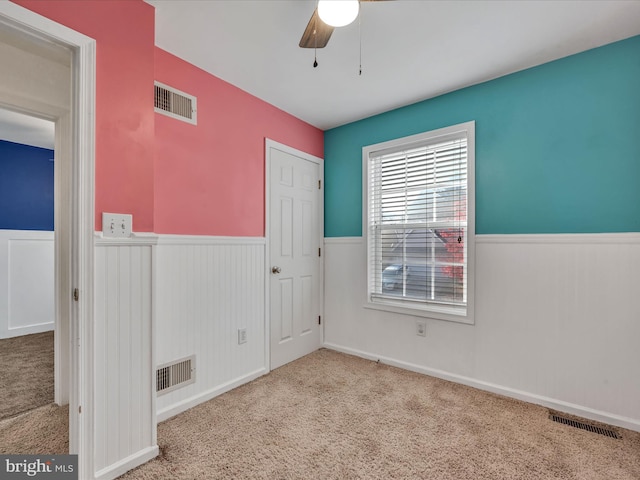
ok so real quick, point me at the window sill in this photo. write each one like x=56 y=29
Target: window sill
x=436 y=312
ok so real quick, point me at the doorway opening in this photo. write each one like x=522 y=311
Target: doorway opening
x=35 y=50
x=33 y=331
x=27 y=267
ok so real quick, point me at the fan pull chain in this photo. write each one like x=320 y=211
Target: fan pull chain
x=360 y=33
x=315 y=48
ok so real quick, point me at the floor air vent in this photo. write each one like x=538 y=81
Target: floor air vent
x=607 y=432
x=176 y=374
x=174 y=103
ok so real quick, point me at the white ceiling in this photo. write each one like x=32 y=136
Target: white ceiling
x=411 y=50
x=19 y=128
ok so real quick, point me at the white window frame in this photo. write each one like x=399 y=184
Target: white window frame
x=461 y=314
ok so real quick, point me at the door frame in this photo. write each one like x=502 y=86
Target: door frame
x=269 y=144
x=75 y=135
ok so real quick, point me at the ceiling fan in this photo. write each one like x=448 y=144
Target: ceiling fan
x=328 y=15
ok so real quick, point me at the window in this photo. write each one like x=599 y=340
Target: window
x=419 y=222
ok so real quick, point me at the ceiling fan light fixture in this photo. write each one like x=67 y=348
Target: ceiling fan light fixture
x=338 y=13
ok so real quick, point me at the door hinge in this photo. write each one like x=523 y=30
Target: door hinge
x=76 y=294
x=80 y=409
x=319 y=251
x=319 y=320
x=319 y=184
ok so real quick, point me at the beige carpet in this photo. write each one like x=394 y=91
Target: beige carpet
x=333 y=416
x=44 y=430
x=26 y=376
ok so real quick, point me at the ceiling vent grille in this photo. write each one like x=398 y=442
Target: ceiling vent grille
x=175 y=104
x=176 y=374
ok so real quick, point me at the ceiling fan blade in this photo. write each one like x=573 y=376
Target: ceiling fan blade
x=317 y=33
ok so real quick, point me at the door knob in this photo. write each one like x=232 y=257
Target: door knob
x=275 y=270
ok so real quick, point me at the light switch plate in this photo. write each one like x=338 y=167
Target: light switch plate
x=116 y=225
x=242 y=336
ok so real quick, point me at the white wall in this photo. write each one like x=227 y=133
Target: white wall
x=124 y=407
x=26 y=282
x=207 y=288
x=159 y=299
x=557 y=322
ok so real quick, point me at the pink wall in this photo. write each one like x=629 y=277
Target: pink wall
x=209 y=178
x=172 y=176
x=124 y=34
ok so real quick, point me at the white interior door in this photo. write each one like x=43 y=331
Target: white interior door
x=295 y=234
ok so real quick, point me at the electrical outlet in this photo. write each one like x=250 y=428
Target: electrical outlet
x=242 y=336
x=421 y=328
x=116 y=224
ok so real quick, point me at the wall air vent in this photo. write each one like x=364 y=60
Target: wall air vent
x=607 y=432
x=175 y=104
x=171 y=376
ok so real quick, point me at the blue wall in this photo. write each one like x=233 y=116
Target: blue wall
x=557 y=147
x=26 y=187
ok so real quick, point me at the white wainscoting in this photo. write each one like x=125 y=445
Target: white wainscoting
x=557 y=322
x=159 y=299
x=26 y=282
x=206 y=289
x=125 y=420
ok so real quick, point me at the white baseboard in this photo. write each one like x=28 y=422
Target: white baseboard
x=573 y=409
x=29 y=330
x=126 y=464
x=191 y=402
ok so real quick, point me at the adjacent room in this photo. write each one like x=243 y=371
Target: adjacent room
x=27 y=318
x=402 y=244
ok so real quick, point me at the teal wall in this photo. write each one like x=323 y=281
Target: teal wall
x=557 y=147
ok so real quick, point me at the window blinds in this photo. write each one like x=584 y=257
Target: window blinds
x=417 y=222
